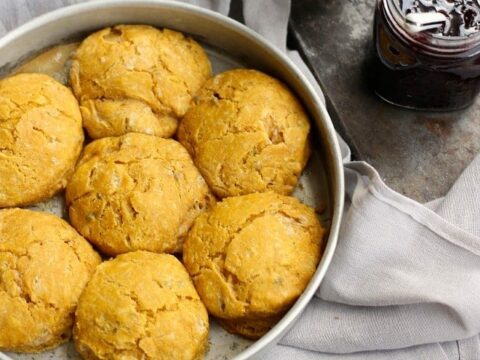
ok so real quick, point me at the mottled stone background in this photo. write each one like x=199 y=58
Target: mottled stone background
x=419 y=154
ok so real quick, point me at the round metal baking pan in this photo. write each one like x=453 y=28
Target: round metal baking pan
x=220 y=35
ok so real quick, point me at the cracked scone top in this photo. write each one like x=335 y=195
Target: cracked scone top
x=246 y=133
x=141 y=305
x=251 y=257
x=44 y=266
x=41 y=138
x=136 y=78
x=136 y=192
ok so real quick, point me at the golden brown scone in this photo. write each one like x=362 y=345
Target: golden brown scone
x=41 y=138
x=136 y=78
x=141 y=305
x=246 y=133
x=252 y=256
x=136 y=192
x=44 y=266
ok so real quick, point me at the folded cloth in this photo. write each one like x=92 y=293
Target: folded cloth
x=405 y=280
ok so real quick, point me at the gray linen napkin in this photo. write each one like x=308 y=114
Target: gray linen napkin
x=405 y=280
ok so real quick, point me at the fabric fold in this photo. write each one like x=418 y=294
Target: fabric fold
x=394 y=281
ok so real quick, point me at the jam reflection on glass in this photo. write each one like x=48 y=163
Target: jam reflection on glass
x=425 y=70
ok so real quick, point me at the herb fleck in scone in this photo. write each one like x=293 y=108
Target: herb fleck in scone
x=251 y=257
x=44 y=267
x=141 y=305
x=247 y=133
x=136 y=192
x=136 y=78
x=41 y=137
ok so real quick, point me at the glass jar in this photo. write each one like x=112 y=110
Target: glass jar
x=421 y=70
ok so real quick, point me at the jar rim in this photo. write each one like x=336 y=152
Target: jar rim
x=436 y=45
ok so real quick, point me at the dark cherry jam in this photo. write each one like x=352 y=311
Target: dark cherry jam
x=433 y=69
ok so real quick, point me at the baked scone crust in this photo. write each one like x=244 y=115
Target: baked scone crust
x=44 y=266
x=246 y=132
x=136 y=78
x=252 y=256
x=136 y=192
x=252 y=329
x=41 y=137
x=141 y=305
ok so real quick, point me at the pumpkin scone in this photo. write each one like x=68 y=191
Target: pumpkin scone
x=136 y=78
x=44 y=266
x=41 y=137
x=247 y=133
x=251 y=257
x=136 y=192
x=141 y=305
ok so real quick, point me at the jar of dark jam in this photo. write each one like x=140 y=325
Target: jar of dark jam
x=436 y=69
